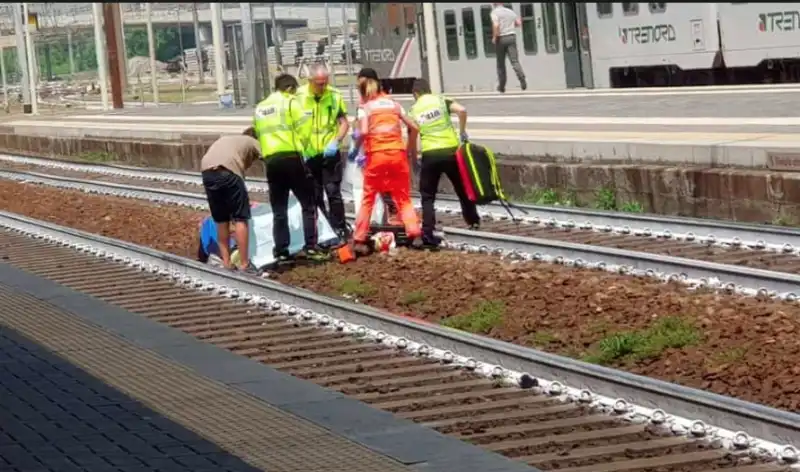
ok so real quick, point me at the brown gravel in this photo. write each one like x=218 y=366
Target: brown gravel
x=747 y=348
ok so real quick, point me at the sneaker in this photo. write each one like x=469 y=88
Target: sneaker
x=249 y=270
x=431 y=240
x=501 y=89
x=475 y=227
x=314 y=254
x=283 y=257
x=343 y=233
x=417 y=243
x=523 y=84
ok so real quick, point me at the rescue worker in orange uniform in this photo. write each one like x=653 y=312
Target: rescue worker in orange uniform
x=386 y=170
x=391 y=209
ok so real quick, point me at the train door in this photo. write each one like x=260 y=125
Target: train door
x=584 y=44
x=572 y=51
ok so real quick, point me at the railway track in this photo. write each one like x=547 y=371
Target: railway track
x=562 y=415
x=728 y=275
x=755 y=246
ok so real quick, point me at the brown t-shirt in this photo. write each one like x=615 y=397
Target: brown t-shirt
x=235 y=153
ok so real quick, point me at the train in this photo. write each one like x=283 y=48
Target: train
x=588 y=45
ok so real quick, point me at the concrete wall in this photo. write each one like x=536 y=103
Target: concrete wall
x=737 y=194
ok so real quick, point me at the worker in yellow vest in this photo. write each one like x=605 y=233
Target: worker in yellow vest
x=326 y=127
x=439 y=143
x=278 y=123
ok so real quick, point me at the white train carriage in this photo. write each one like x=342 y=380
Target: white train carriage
x=760 y=40
x=655 y=41
x=553 y=46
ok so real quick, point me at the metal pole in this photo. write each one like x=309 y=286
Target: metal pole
x=114 y=70
x=265 y=68
x=3 y=73
x=348 y=54
x=219 y=50
x=197 y=48
x=22 y=58
x=276 y=43
x=151 y=50
x=330 y=44
x=31 y=51
x=234 y=50
x=122 y=50
x=183 y=58
x=434 y=69
x=248 y=49
x=100 y=50
x=71 y=53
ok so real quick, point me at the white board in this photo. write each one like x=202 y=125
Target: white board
x=261 y=241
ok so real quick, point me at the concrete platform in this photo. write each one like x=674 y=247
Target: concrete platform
x=760 y=142
x=87 y=386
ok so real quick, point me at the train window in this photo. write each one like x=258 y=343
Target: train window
x=451 y=35
x=528 y=16
x=470 y=36
x=630 y=9
x=489 y=49
x=550 y=27
x=568 y=22
x=657 y=7
x=605 y=10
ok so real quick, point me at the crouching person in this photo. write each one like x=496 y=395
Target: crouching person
x=223 y=167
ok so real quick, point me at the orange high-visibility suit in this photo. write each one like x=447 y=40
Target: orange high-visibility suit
x=386 y=170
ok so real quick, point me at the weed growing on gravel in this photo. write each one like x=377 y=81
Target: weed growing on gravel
x=542 y=338
x=355 y=287
x=480 y=320
x=549 y=196
x=731 y=355
x=606 y=199
x=632 y=207
x=666 y=333
x=413 y=297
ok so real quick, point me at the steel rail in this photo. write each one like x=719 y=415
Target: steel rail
x=740 y=425
x=702 y=231
x=695 y=273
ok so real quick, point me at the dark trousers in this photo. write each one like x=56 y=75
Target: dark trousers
x=327 y=176
x=507 y=47
x=284 y=174
x=434 y=164
x=227 y=195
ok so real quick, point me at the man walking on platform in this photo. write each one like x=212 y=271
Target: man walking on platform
x=326 y=127
x=279 y=122
x=504 y=37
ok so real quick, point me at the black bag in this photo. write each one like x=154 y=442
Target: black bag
x=479 y=176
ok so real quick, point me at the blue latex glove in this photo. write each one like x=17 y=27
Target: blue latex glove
x=464 y=137
x=352 y=152
x=356 y=135
x=361 y=160
x=332 y=149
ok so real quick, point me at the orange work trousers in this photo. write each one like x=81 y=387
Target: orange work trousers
x=387 y=172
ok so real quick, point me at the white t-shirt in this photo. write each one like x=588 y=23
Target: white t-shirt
x=505 y=19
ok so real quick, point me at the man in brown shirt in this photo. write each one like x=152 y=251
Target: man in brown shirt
x=223 y=167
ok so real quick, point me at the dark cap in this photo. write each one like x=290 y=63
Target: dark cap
x=368 y=73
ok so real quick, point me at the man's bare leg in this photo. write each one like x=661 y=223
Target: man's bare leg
x=242 y=235
x=223 y=241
